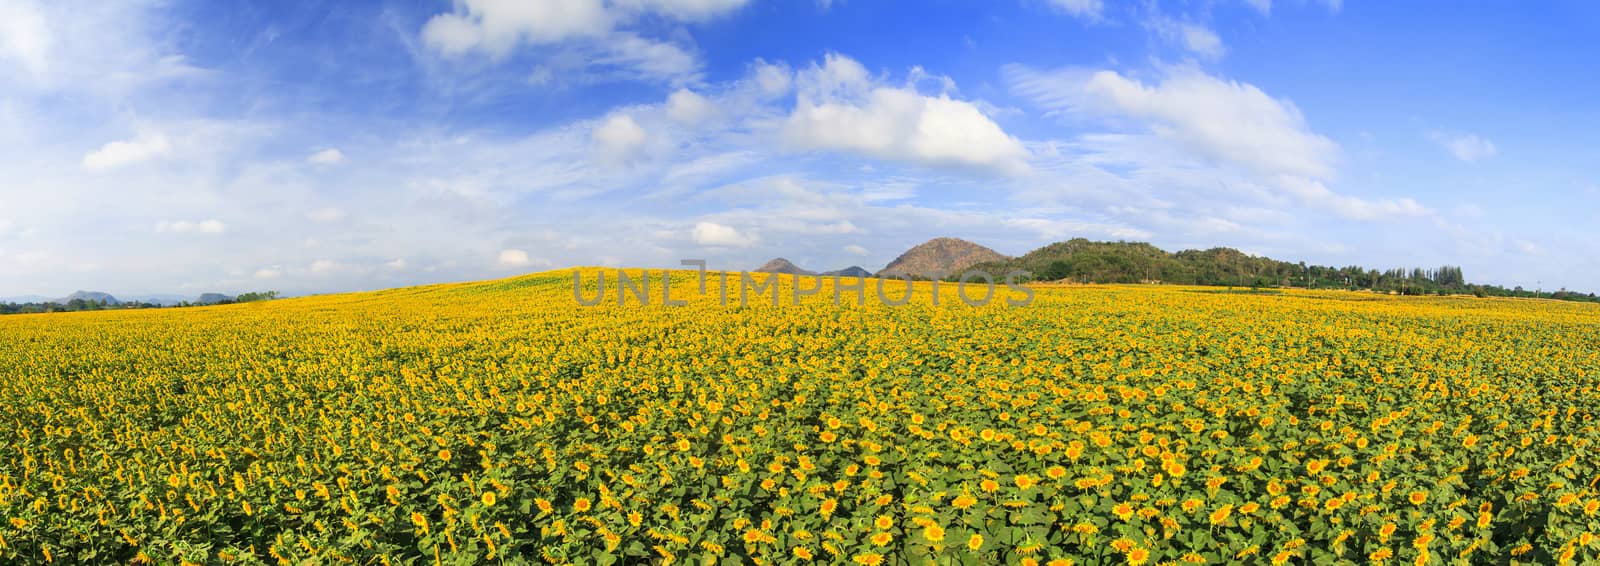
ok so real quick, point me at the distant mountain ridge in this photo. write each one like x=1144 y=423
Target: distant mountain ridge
x=781 y=265
x=940 y=257
x=90 y=297
x=852 y=271
x=111 y=300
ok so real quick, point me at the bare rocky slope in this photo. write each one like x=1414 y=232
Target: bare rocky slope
x=780 y=265
x=940 y=256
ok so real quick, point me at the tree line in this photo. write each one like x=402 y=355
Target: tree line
x=1084 y=261
x=77 y=305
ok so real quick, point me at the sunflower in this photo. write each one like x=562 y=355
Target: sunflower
x=1221 y=514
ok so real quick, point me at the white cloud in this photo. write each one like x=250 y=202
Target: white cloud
x=853 y=249
x=328 y=156
x=143 y=147
x=841 y=107
x=268 y=273
x=209 y=227
x=1466 y=147
x=1314 y=193
x=1263 y=6
x=1219 y=119
x=1204 y=135
x=1191 y=36
x=324 y=266
x=686 y=107
x=685 y=10
x=87 y=48
x=629 y=56
x=24 y=36
x=1086 y=9
x=773 y=79
x=1527 y=247
x=327 y=214
x=514 y=258
x=714 y=234
x=498 y=26
x=397 y=264
x=619 y=138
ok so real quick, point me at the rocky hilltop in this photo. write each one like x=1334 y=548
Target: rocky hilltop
x=944 y=256
x=780 y=265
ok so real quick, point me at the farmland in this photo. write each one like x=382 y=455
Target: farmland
x=500 y=421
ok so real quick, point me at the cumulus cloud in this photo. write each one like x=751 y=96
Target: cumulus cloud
x=1086 y=9
x=1219 y=119
x=143 y=147
x=268 y=273
x=515 y=258
x=841 y=107
x=497 y=26
x=686 y=107
x=210 y=227
x=1256 y=144
x=714 y=234
x=619 y=138
x=773 y=79
x=853 y=249
x=1466 y=147
x=328 y=156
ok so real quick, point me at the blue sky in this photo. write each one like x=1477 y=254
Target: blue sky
x=186 y=147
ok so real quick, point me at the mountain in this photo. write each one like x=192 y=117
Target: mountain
x=780 y=265
x=940 y=256
x=852 y=271
x=89 y=296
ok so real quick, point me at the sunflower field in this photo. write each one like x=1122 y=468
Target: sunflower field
x=501 y=422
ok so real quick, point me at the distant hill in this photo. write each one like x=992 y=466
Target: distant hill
x=852 y=271
x=1084 y=261
x=89 y=297
x=780 y=265
x=940 y=255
